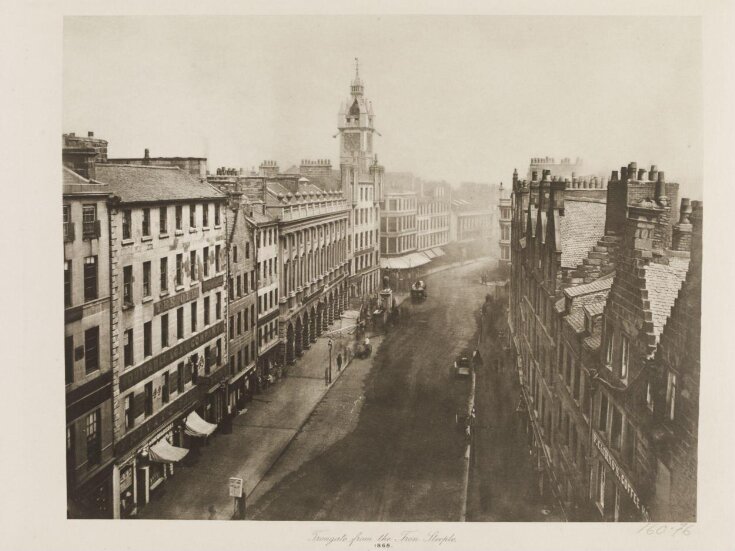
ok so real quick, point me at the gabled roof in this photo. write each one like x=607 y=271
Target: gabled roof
x=663 y=283
x=143 y=184
x=76 y=184
x=576 y=320
x=582 y=225
x=601 y=284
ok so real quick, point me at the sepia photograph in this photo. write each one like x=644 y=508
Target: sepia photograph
x=360 y=269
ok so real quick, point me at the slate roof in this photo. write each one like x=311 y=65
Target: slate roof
x=74 y=183
x=144 y=184
x=663 y=283
x=258 y=218
x=593 y=341
x=582 y=226
x=559 y=305
x=600 y=284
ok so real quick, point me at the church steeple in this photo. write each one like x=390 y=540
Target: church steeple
x=357 y=87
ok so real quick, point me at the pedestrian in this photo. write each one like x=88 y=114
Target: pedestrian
x=476 y=358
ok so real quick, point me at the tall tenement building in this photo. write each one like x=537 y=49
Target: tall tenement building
x=604 y=321
x=169 y=305
x=88 y=370
x=505 y=209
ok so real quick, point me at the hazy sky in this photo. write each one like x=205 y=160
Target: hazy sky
x=455 y=98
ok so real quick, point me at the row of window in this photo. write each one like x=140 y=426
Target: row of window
x=433 y=223
x=244 y=356
x=397 y=223
x=268 y=237
x=364 y=216
x=90 y=277
x=128 y=340
x=366 y=193
x=163 y=273
x=239 y=285
x=267 y=333
x=241 y=322
x=365 y=239
x=407 y=203
x=163 y=217
x=396 y=245
x=432 y=240
x=433 y=208
x=267 y=301
x=90 y=224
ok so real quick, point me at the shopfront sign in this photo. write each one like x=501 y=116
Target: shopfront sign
x=148 y=368
x=235 y=487
x=174 y=301
x=619 y=474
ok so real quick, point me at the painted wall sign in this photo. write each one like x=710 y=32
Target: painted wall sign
x=619 y=474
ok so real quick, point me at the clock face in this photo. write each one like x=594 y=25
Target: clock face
x=352 y=142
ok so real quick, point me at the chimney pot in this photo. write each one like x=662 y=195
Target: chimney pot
x=90 y=134
x=146 y=154
x=641 y=174
x=614 y=176
x=661 y=177
x=623 y=173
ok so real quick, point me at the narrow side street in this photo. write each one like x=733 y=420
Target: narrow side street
x=503 y=478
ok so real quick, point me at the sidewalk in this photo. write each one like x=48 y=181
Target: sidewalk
x=259 y=436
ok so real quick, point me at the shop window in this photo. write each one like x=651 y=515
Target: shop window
x=671 y=395
x=92 y=349
x=90 y=278
x=94 y=443
x=146 y=226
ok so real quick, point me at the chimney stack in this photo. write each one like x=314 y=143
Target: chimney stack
x=90 y=134
x=682 y=235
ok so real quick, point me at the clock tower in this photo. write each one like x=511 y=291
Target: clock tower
x=356 y=128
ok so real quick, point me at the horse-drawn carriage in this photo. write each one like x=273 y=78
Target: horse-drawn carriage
x=418 y=291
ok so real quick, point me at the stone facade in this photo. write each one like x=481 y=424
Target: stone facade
x=88 y=370
x=593 y=282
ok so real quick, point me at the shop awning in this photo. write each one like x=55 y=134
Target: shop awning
x=438 y=251
x=163 y=452
x=196 y=426
x=393 y=263
x=417 y=259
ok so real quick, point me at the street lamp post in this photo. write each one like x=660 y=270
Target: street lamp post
x=329 y=377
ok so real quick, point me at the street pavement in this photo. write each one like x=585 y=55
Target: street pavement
x=383 y=444
x=258 y=438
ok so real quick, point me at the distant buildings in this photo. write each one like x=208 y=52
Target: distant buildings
x=195 y=166
x=604 y=324
x=505 y=208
